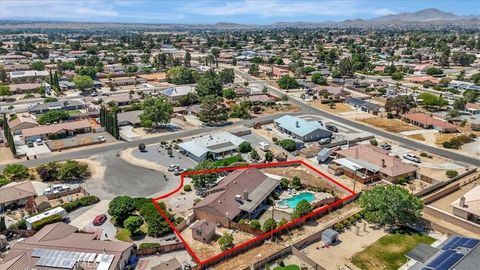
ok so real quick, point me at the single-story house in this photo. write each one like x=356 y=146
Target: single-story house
x=121 y=100
x=123 y=81
x=21 y=122
x=366 y=163
x=335 y=91
x=129 y=118
x=24 y=87
x=363 y=105
x=261 y=99
x=278 y=72
x=68 y=105
x=60 y=130
x=16 y=194
x=155 y=77
x=175 y=93
x=424 y=120
x=66 y=85
x=472 y=108
x=216 y=145
x=203 y=231
x=49 y=248
x=172 y=264
x=241 y=194
x=468 y=206
x=27 y=75
x=301 y=129
x=423 y=79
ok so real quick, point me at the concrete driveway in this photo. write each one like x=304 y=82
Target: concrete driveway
x=85 y=221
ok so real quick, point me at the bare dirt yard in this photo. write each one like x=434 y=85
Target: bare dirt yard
x=337 y=108
x=391 y=125
x=306 y=176
x=418 y=137
x=246 y=259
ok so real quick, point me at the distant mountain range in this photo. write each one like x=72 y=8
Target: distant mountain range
x=423 y=17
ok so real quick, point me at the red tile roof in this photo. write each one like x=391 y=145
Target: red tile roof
x=428 y=120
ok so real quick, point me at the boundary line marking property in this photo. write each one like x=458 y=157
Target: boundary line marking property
x=259 y=237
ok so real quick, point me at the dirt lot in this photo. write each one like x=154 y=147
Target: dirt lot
x=307 y=177
x=391 y=125
x=280 y=109
x=205 y=251
x=253 y=255
x=338 y=108
x=418 y=137
x=440 y=138
x=6 y=155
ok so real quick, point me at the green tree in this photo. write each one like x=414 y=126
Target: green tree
x=400 y=104
x=432 y=100
x=216 y=54
x=397 y=76
x=209 y=84
x=187 y=59
x=121 y=208
x=390 y=205
x=156 y=111
x=434 y=71
x=227 y=76
x=459 y=103
x=5 y=91
x=245 y=147
x=284 y=183
x=254 y=155
x=318 y=78
x=241 y=110
x=296 y=182
x=3 y=226
x=254 y=224
x=204 y=180
x=16 y=172
x=476 y=78
x=72 y=170
x=180 y=75
x=53 y=116
x=463 y=59
x=303 y=208
x=288 y=144
x=189 y=99
x=133 y=223
x=38 y=65
x=225 y=241
x=269 y=224
x=269 y=156
x=83 y=83
x=254 y=70
x=229 y=93
x=471 y=96
x=288 y=82
x=48 y=172
x=213 y=110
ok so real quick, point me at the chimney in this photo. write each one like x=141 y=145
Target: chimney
x=462 y=202
x=297 y=124
x=245 y=195
x=383 y=163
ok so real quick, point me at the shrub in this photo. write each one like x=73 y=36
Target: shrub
x=16 y=172
x=270 y=224
x=451 y=173
x=187 y=188
x=84 y=201
x=38 y=225
x=21 y=225
x=288 y=145
x=178 y=220
x=133 y=224
x=296 y=183
x=120 y=208
x=457 y=142
x=374 y=142
x=149 y=245
x=284 y=183
x=53 y=116
x=3 y=181
x=243 y=222
x=255 y=224
x=72 y=170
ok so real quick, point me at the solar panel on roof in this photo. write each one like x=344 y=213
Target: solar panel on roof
x=451 y=260
x=471 y=243
x=459 y=243
x=440 y=258
x=449 y=243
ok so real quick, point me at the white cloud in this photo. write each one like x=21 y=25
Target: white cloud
x=275 y=8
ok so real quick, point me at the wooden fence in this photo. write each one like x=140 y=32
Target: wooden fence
x=52 y=196
x=160 y=249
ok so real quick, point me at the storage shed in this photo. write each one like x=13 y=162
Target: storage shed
x=329 y=236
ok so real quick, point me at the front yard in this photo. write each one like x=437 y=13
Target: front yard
x=337 y=108
x=389 y=251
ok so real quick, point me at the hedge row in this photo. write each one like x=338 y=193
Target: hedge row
x=38 y=225
x=84 y=201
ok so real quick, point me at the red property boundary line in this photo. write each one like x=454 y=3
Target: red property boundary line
x=262 y=236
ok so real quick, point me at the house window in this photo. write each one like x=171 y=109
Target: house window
x=199 y=233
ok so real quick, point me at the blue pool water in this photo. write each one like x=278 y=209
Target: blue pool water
x=292 y=202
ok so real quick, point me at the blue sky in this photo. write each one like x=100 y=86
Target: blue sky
x=212 y=11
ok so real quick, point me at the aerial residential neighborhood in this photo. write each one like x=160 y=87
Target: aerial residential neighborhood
x=262 y=135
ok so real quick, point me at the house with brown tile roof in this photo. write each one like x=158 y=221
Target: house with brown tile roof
x=58 y=130
x=424 y=120
x=62 y=241
x=21 y=122
x=472 y=108
x=366 y=163
x=16 y=193
x=241 y=194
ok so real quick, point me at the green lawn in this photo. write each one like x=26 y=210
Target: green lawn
x=74 y=112
x=227 y=161
x=389 y=251
x=288 y=267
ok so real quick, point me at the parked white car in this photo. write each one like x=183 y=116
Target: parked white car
x=412 y=158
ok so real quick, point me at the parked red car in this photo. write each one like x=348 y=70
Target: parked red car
x=99 y=220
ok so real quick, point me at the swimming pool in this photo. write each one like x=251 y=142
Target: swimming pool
x=292 y=202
